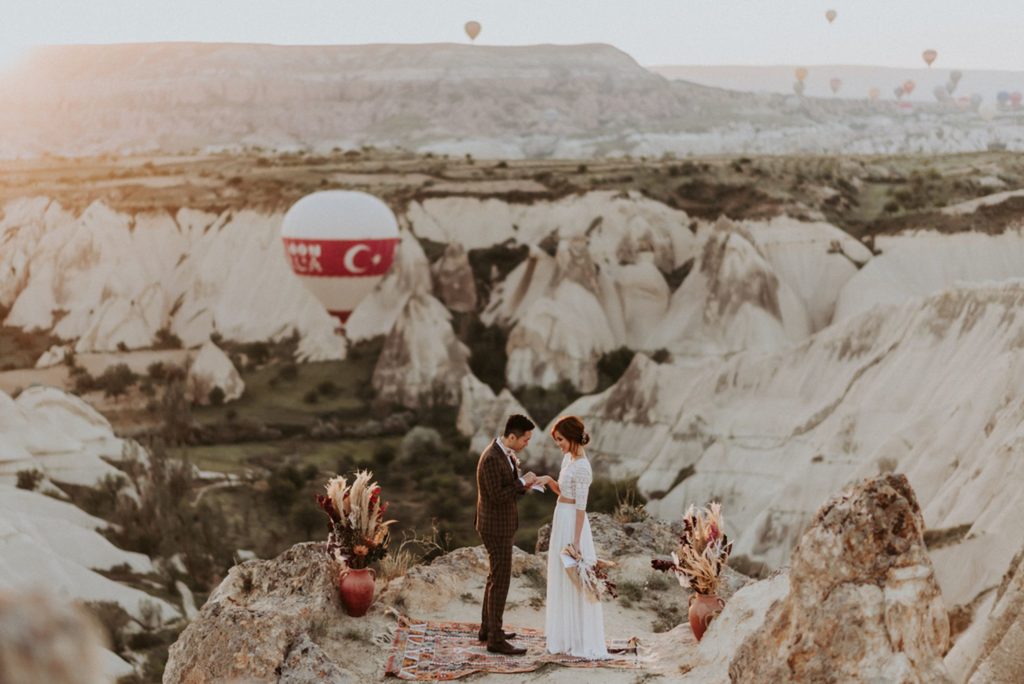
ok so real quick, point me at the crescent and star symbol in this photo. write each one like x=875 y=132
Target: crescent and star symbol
x=349 y=260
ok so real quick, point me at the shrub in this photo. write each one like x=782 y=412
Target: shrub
x=311 y=397
x=165 y=339
x=611 y=366
x=29 y=479
x=156 y=370
x=288 y=372
x=217 y=396
x=327 y=389
x=421 y=442
x=116 y=380
x=661 y=356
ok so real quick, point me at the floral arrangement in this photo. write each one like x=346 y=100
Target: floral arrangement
x=590 y=578
x=703 y=550
x=358 y=534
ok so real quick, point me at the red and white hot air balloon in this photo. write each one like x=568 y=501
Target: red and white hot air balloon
x=340 y=244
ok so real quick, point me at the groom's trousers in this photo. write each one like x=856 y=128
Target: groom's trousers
x=499 y=554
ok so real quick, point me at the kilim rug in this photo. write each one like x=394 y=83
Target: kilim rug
x=449 y=650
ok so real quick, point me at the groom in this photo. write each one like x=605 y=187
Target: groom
x=499 y=487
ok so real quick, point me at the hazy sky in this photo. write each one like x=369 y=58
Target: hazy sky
x=967 y=33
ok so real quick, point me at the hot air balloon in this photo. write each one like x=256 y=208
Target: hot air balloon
x=801 y=74
x=1002 y=97
x=831 y=15
x=835 y=84
x=874 y=93
x=798 y=87
x=898 y=91
x=1015 y=98
x=473 y=29
x=908 y=86
x=955 y=76
x=340 y=244
x=929 y=56
x=940 y=93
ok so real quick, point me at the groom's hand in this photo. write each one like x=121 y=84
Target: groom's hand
x=529 y=478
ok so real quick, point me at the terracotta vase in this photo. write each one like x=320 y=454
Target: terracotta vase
x=703 y=609
x=356 y=587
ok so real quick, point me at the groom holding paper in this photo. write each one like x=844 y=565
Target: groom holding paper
x=499 y=486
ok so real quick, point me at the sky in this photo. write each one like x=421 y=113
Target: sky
x=969 y=34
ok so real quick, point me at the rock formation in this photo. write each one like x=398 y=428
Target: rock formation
x=482 y=414
x=43 y=639
x=258 y=625
x=422 y=363
x=863 y=602
x=211 y=368
x=454 y=277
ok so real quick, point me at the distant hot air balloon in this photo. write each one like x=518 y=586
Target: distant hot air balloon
x=1003 y=98
x=955 y=76
x=929 y=56
x=898 y=91
x=1015 y=98
x=940 y=93
x=798 y=87
x=908 y=86
x=473 y=29
x=874 y=93
x=801 y=74
x=340 y=244
x=835 y=84
x=831 y=15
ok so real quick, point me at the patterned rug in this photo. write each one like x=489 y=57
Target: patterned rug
x=449 y=650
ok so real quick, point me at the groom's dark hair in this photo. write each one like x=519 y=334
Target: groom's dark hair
x=518 y=425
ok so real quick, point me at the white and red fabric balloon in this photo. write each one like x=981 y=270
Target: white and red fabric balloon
x=340 y=244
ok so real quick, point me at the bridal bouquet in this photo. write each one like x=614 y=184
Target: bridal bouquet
x=590 y=578
x=703 y=550
x=358 y=533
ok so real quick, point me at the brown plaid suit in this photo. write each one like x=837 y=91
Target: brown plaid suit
x=497 y=519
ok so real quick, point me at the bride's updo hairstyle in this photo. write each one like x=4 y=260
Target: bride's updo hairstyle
x=571 y=428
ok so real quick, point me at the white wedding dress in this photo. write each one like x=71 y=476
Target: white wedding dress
x=573 y=624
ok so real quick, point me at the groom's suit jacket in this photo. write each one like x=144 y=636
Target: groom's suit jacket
x=498 y=490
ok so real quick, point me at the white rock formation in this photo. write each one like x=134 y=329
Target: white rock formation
x=58 y=434
x=422 y=363
x=54 y=356
x=923 y=263
x=120 y=279
x=482 y=415
x=931 y=388
x=454 y=277
x=732 y=301
x=618 y=225
x=212 y=368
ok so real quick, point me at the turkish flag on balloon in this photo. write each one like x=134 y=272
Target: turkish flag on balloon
x=340 y=244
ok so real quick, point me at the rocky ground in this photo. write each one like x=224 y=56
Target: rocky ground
x=860 y=601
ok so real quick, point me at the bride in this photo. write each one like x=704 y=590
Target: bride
x=573 y=624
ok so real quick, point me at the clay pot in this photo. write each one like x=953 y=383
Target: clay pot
x=356 y=587
x=703 y=609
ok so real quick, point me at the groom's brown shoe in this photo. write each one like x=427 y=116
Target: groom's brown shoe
x=505 y=648
x=507 y=636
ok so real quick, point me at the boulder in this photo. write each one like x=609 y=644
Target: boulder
x=262 y=623
x=43 y=639
x=863 y=602
x=212 y=368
